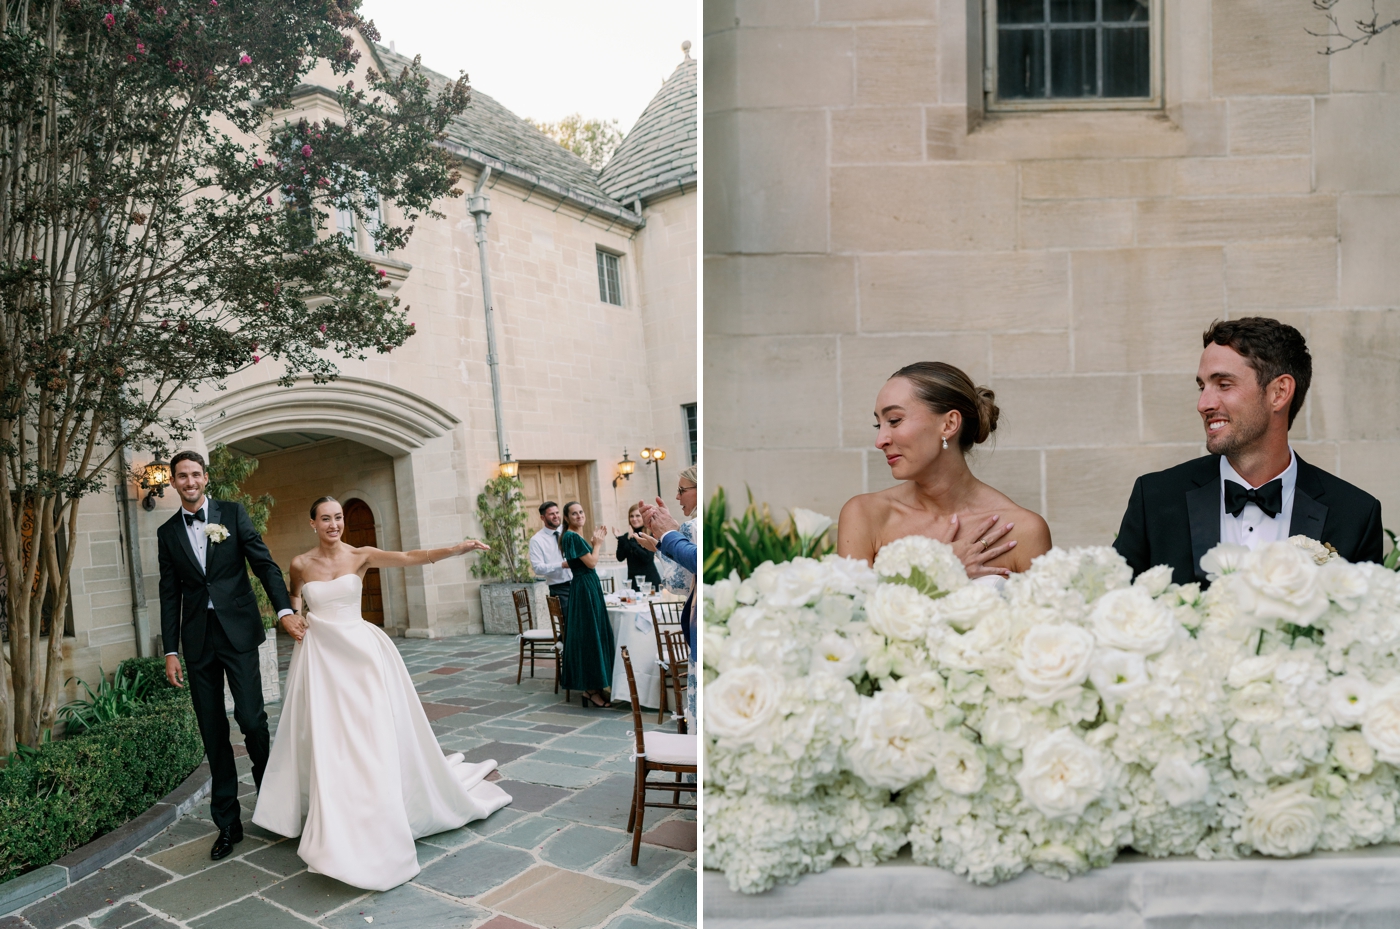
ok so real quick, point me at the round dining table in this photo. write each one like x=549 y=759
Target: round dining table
x=631 y=624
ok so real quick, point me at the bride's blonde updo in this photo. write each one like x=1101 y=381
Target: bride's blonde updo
x=944 y=387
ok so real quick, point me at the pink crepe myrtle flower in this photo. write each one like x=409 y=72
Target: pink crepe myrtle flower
x=245 y=60
x=323 y=328
x=269 y=200
x=257 y=162
x=257 y=358
x=382 y=273
x=140 y=48
x=130 y=58
x=306 y=151
x=109 y=21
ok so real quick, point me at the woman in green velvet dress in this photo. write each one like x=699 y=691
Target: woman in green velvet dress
x=588 y=636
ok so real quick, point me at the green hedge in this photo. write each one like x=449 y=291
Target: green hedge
x=75 y=790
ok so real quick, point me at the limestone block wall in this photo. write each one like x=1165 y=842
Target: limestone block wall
x=862 y=212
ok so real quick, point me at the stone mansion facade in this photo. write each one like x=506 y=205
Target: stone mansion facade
x=593 y=279
x=1058 y=198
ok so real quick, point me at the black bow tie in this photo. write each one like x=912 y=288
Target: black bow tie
x=190 y=518
x=1268 y=498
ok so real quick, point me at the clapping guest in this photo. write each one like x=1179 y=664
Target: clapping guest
x=641 y=563
x=589 y=643
x=546 y=555
x=679 y=547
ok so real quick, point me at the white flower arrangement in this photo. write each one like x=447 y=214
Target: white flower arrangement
x=216 y=532
x=1073 y=713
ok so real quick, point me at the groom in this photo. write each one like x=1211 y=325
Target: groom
x=1252 y=488
x=206 y=599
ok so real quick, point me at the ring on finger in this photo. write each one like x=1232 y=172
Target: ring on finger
x=985 y=544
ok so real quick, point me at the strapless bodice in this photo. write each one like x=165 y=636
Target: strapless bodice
x=334 y=601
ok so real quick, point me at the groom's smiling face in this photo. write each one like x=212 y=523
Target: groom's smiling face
x=1233 y=406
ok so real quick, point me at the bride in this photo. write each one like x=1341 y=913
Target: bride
x=927 y=416
x=355 y=769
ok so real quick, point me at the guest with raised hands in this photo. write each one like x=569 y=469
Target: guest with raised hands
x=589 y=643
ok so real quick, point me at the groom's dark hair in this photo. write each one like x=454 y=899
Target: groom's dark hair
x=1272 y=348
x=196 y=457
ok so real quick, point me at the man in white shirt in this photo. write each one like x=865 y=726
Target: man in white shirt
x=1252 y=488
x=547 y=558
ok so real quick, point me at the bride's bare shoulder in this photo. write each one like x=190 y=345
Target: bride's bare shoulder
x=862 y=518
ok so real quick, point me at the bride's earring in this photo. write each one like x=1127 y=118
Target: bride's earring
x=945 y=441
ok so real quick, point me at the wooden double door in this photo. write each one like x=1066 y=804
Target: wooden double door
x=557 y=481
x=359 y=531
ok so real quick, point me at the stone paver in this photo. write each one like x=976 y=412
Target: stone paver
x=558 y=856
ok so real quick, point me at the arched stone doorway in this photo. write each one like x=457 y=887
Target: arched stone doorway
x=359 y=532
x=356 y=440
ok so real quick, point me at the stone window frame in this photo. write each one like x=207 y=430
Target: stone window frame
x=610 y=291
x=690 y=417
x=993 y=104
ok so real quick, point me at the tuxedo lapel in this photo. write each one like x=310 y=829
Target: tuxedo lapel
x=209 y=546
x=1309 y=513
x=177 y=526
x=1203 y=513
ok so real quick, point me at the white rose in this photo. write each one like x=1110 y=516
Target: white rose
x=1257 y=703
x=1003 y=726
x=960 y=766
x=964 y=609
x=895 y=743
x=836 y=655
x=1054 y=661
x=1380 y=724
x=810 y=524
x=1319 y=553
x=1180 y=782
x=899 y=612
x=1286 y=584
x=1348 y=697
x=1060 y=775
x=1284 y=822
x=1131 y=620
x=1345 y=584
x=1226 y=558
x=799 y=582
x=928 y=688
x=1353 y=752
x=1253 y=668
x=1154 y=580
x=216 y=532
x=1117 y=675
x=741 y=702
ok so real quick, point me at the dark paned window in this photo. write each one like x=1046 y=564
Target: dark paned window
x=1073 y=49
x=691 y=412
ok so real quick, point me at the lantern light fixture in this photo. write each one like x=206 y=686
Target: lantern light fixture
x=155 y=477
x=625 y=468
x=654 y=456
x=509 y=468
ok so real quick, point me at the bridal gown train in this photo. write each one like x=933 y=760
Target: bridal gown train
x=355 y=769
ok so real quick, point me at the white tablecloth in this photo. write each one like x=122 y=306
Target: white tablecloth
x=1352 y=889
x=632 y=627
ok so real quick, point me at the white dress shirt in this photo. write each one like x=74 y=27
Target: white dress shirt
x=1252 y=528
x=547 y=558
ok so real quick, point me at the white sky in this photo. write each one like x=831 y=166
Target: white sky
x=545 y=59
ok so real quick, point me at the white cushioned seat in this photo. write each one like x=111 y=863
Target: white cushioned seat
x=671 y=748
x=543 y=634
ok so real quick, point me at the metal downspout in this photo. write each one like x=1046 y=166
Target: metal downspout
x=480 y=207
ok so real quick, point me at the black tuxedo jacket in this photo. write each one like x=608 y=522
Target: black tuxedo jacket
x=186 y=589
x=1173 y=517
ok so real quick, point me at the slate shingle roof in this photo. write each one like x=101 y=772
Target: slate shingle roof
x=661 y=148
x=493 y=130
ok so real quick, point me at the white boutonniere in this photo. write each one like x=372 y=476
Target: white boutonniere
x=216 y=532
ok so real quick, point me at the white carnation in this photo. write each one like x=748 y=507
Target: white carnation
x=741 y=702
x=899 y=612
x=1285 y=821
x=1060 y=775
x=1129 y=619
x=895 y=743
x=1054 y=662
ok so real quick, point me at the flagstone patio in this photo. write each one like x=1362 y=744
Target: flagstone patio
x=558 y=856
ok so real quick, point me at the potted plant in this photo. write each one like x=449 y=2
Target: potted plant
x=506 y=566
x=227 y=472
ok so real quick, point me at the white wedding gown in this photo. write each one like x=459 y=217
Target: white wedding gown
x=355 y=769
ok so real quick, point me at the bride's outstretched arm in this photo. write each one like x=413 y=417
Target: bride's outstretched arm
x=378 y=558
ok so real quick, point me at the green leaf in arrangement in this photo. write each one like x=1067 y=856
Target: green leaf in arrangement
x=1392 y=559
x=920 y=581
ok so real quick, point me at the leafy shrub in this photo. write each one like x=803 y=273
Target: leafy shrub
x=67 y=793
x=115 y=699
x=500 y=507
x=747 y=541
